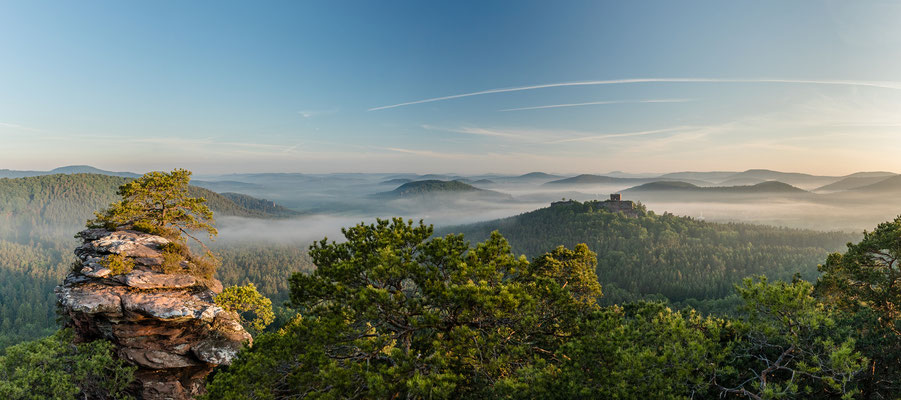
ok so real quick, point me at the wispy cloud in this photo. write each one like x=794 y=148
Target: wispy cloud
x=315 y=113
x=18 y=127
x=876 y=84
x=592 y=103
x=478 y=131
x=606 y=136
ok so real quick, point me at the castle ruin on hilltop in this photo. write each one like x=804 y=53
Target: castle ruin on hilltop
x=614 y=204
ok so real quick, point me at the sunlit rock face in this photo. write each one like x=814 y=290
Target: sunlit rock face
x=165 y=324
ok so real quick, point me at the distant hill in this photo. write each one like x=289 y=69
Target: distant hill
x=792 y=178
x=87 y=169
x=763 y=187
x=261 y=205
x=871 y=174
x=225 y=186
x=483 y=182
x=72 y=169
x=395 y=181
x=852 y=182
x=438 y=187
x=891 y=184
x=711 y=176
x=677 y=257
x=538 y=175
x=589 y=179
x=741 y=181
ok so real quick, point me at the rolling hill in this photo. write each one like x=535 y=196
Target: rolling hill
x=434 y=187
x=589 y=179
x=852 y=182
x=72 y=169
x=677 y=257
x=891 y=184
x=792 y=178
x=763 y=187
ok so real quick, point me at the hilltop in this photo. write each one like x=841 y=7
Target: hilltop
x=437 y=187
x=763 y=187
x=589 y=179
x=649 y=254
x=72 y=169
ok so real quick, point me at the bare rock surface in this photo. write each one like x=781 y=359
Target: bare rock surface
x=165 y=324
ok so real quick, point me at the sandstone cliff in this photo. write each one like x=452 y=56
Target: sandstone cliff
x=165 y=324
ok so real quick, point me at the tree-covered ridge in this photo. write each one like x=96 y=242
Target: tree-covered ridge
x=49 y=207
x=678 y=257
x=432 y=186
x=262 y=205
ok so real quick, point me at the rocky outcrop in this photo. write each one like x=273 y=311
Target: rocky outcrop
x=165 y=324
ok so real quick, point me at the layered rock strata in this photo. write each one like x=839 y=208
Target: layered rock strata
x=165 y=324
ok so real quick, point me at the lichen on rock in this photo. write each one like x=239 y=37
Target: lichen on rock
x=165 y=324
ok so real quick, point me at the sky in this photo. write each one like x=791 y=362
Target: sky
x=451 y=87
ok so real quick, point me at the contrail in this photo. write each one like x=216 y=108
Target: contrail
x=592 y=103
x=877 y=84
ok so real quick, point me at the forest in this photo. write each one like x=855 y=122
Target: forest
x=665 y=256
x=570 y=301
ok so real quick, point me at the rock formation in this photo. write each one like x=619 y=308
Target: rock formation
x=165 y=324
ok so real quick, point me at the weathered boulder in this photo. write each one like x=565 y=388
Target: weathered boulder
x=165 y=324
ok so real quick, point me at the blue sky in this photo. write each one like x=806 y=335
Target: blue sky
x=294 y=86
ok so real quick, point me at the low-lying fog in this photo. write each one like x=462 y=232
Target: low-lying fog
x=330 y=202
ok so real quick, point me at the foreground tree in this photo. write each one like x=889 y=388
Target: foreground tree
x=390 y=313
x=787 y=344
x=56 y=368
x=159 y=203
x=864 y=283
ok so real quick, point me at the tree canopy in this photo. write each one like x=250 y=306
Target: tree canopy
x=158 y=203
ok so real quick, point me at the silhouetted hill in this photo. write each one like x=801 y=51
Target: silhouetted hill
x=710 y=176
x=871 y=174
x=792 y=178
x=852 y=182
x=741 y=181
x=763 y=187
x=438 y=187
x=589 y=179
x=891 y=184
x=72 y=169
x=395 y=181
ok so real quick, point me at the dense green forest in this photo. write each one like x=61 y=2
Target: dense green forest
x=395 y=312
x=680 y=258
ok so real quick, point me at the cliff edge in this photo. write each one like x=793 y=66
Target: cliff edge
x=166 y=324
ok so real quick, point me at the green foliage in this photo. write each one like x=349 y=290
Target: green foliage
x=55 y=368
x=640 y=351
x=158 y=203
x=390 y=313
x=246 y=300
x=119 y=264
x=864 y=283
x=679 y=258
x=787 y=345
